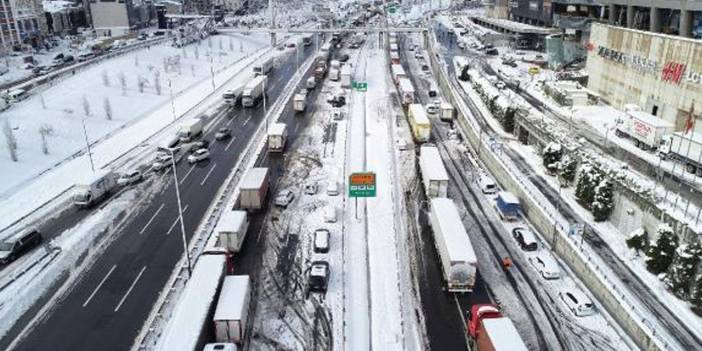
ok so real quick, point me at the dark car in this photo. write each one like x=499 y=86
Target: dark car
x=343 y=58
x=319 y=276
x=14 y=247
x=201 y=144
x=68 y=59
x=492 y=52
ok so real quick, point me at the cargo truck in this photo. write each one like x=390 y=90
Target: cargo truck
x=406 y=91
x=434 y=176
x=190 y=129
x=231 y=230
x=644 y=129
x=253 y=91
x=346 y=76
x=299 y=102
x=489 y=330
x=684 y=148
x=277 y=135
x=458 y=261
x=394 y=58
x=447 y=112
x=263 y=67
x=94 y=187
x=507 y=206
x=397 y=73
x=232 y=309
x=232 y=96
x=254 y=189
x=419 y=122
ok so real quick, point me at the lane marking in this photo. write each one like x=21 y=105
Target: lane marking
x=130 y=289
x=207 y=175
x=173 y=225
x=99 y=285
x=151 y=220
x=186 y=207
x=231 y=120
x=187 y=174
x=247 y=120
x=297 y=126
x=229 y=144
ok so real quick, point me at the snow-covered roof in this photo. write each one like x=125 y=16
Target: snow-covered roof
x=406 y=85
x=650 y=119
x=419 y=114
x=254 y=178
x=230 y=221
x=233 y=298
x=276 y=129
x=190 y=314
x=451 y=227
x=503 y=334
x=508 y=197
x=430 y=160
x=255 y=82
x=54 y=6
x=91 y=177
x=397 y=69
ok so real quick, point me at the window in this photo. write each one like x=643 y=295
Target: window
x=572 y=298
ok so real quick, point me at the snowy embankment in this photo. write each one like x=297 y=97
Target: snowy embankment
x=135 y=117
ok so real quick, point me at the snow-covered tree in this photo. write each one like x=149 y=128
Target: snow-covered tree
x=45 y=130
x=108 y=108
x=185 y=53
x=241 y=45
x=603 y=201
x=552 y=154
x=141 y=82
x=660 y=253
x=42 y=101
x=105 y=78
x=696 y=291
x=209 y=42
x=197 y=53
x=86 y=105
x=682 y=269
x=192 y=70
x=464 y=74
x=10 y=139
x=590 y=177
x=157 y=82
x=508 y=120
x=638 y=240
x=122 y=81
x=567 y=168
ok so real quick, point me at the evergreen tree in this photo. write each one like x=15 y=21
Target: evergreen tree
x=660 y=254
x=696 y=292
x=464 y=74
x=638 y=240
x=590 y=177
x=508 y=120
x=681 y=271
x=603 y=203
x=552 y=153
x=566 y=170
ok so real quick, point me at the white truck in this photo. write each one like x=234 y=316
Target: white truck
x=263 y=67
x=685 y=148
x=645 y=129
x=277 y=135
x=232 y=96
x=458 y=260
x=434 y=176
x=231 y=230
x=346 y=76
x=190 y=129
x=232 y=309
x=446 y=112
x=406 y=91
x=253 y=91
x=299 y=102
x=94 y=187
x=254 y=189
x=397 y=73
x=334 y=74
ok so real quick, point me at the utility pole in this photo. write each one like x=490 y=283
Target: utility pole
x=180 y=214
x=87 y=143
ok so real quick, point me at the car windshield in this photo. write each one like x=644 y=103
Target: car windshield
x=82 y=196
x=6 y=246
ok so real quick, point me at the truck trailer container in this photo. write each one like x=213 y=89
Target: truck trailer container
x=253 y=91
x=489 y=330
x=190 y=129
x=346 y=76
x=434 y=176
x=394 y=58
x=644 y=129
x=406 y=91
x=447 y=112
x=232 y=96
x=277 y=135
x=254 y=189
x=231 y=230
x=299 y=102
x=94 y=187
x=507 y=206
x=458 y=261
x=684 y=148
x=419 y=122
x=232 y=309
x=397 y=72
x=263 y=67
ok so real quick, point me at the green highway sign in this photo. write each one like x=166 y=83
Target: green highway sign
x=360 y=86
x=362 y=184
x=392 y=9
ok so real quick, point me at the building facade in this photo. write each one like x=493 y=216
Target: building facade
x=534 y=12
x=118 y=17
x=683 y=18
x=661 y=73
x=22 y=22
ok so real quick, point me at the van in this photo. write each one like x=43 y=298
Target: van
x=311 y=83
x=433 y=90
x=15 y=246
x=332 y=187
x=487 y=185
x=330 y=214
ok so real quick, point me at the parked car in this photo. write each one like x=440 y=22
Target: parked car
x=343 y=57
x=130 y=177
x=577 y=302
x=425 y=68
x=223 y=133
x=418 y=55
x=525 y=238
x=199 y=155
x=15 y=246
x=318 y=277
x=432 y=109
x=85 y=56
x=68 y=59
x=332 y=188
x=284 y=198
x=330 y=214
x=545 y=264
x=321 y=241
x=311 y=188
x=487 y=185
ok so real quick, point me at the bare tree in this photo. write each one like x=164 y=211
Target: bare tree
x=136 y=61
x=10 y=139
x=86 y=105
x=157 y=82
x=45 y=130
x=140 y=84
x=108 y=108
x=220 y=45
x=241 y=45
x=197 y=53
x=231 y=44
x=122 y=82
x=209 y=42
x=105 y=78
x=42 y=101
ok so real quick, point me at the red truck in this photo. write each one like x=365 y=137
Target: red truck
x=489 y=330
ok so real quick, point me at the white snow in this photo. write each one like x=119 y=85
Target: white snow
x=232 y=304
x=431 y=163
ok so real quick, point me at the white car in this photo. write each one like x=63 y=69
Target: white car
x=336 y=114
x=432 y=109
x=418 y=55
x=577 y=302
x=199 y=155
x=321 y=241
x=284 y=198
x=545 y=264
x=487 y=185
x=130 y=178
x=311 y=188
x=163 y=161
x=500 y=85
x=330 y=214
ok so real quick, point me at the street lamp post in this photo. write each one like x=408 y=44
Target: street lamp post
x=170 y=89
x=87 y=143
x=180 y=214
